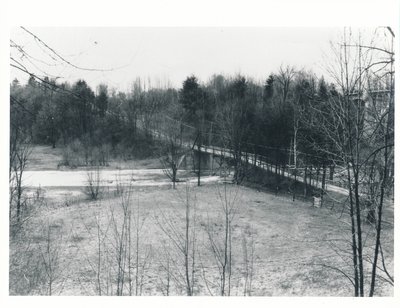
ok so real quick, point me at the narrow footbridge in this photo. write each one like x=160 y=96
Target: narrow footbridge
x=259 y=161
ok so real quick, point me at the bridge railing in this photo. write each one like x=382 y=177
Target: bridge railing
x=277 y=160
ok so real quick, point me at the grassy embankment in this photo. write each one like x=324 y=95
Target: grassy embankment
x=294 y=243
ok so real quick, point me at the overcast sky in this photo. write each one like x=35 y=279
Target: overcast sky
x=173 y=53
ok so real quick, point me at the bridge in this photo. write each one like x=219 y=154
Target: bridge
x=186 y=133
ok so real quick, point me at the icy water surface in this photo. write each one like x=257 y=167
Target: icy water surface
x=134 y=177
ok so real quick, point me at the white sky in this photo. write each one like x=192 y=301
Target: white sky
x=173 y=53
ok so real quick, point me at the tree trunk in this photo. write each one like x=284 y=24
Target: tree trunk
x=294 y=184
x=173 y=177
x=305 y=181
x=199 y=167
x=323 y=184
x=353 y=232
x=331 y=172
x=359 y=232
x=19 y=195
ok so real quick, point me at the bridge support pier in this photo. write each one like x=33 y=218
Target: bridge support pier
x=206 y=161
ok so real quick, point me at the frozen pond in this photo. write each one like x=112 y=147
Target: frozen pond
x=134 y=177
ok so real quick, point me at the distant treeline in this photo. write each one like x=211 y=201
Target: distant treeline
x=271 y=118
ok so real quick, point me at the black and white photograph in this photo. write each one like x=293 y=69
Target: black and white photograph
x=200 y=160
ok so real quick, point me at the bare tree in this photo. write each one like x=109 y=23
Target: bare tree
x=284 y=78
x=131 y=258
x=183 y=238
x=355 y=130
x=100 y=264
x=50 y=252
x=221 y=244
x=20 y=150
x=248 y=249
x=93 y=186
x=233 y=124
x=166 y=268
x=174 y=150
x=172 y=160
x=382 y=157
